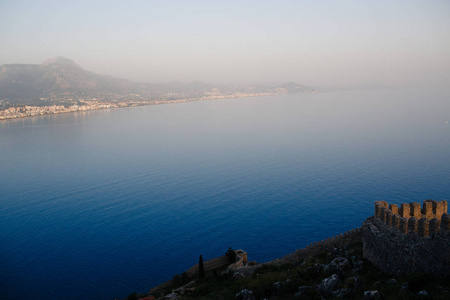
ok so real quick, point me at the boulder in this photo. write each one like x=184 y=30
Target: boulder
x=342 y=294
x=303 y=290
x=354 y=283
x=245 y=295
x=391 y=281
x=328 y=285
x=314 y=271
x=340 y=266
x=278 y=286
x=372 y=295
x=171 y=296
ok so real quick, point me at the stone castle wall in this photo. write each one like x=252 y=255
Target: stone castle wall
x=409 y=239
x=241 y=260
x=208 y=265
x=397 y=240
x=410 y=217
x=340 y=240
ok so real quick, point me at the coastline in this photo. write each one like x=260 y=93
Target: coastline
x=28 y=111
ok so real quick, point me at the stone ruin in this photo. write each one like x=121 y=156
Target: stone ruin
x=409 y=239
x=209 y=265
x=411 y=217
x=397 y=240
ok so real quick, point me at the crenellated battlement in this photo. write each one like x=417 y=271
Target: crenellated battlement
x=427 y=220
x=410 y=238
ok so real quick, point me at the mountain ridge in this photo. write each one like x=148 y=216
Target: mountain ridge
x=61 y=79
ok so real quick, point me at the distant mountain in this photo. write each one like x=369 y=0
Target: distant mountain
x=66 y=75
x=61 y=79
x=20 y=83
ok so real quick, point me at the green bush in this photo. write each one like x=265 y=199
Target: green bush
x=177 y=280
x=184 y=277
x=201 y=268
x=231 y=255
x=132 y=296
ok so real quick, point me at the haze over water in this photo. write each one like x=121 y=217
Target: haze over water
x=104 y=203
x=318 y=43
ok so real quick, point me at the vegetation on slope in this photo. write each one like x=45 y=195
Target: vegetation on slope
x=341 y=273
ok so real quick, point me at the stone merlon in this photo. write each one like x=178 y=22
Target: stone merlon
x=410 y=238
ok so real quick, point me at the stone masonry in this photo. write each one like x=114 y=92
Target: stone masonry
x=409 y=239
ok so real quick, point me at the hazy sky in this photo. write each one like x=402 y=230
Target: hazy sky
x=310 y=42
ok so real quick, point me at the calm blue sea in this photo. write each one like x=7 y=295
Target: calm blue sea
x=97 y=205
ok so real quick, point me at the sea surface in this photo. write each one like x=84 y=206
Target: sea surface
x=100 y=204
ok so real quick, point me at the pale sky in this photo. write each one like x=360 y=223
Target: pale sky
x=337 y=43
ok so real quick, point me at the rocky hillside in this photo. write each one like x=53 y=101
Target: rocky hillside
x=338 y=272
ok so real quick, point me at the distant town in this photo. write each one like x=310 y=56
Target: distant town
x=70 y=105
x=59 y=85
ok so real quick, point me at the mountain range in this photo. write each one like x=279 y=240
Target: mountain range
x=61 y=80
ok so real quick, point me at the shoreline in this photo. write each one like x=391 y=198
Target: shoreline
x=28 y=111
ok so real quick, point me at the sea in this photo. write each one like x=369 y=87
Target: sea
x=100 y=204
